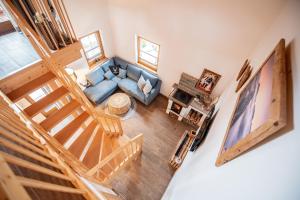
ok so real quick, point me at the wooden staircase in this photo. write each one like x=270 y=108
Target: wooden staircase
x=90 y=141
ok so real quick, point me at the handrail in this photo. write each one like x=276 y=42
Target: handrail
x=131 y=149
x=110 y=124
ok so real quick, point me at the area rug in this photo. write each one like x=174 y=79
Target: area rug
x=131 y=112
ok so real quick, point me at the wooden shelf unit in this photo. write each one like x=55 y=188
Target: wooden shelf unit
x=182 y=148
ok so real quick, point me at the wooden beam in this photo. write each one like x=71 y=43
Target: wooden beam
x=9 y=183
x=32 y=166
x=36 y=107
x=23 y=76
x=27 y=153
x=59 y=115
x=47 y=186
x=63 y=135
x=30 y=87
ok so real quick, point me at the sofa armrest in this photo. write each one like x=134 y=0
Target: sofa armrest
x=154 y=92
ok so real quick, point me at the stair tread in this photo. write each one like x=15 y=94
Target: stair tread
x=64 y=134
x=59 y=115
x=31 y=86
x=78 y=145
x=92 y=156
x=44 y=102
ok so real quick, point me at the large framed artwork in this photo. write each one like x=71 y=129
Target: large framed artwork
x=260 y=110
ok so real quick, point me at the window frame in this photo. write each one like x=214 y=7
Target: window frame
x=144 y=62
x=95 y=60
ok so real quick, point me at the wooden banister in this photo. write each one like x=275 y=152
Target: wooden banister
x=131 y=149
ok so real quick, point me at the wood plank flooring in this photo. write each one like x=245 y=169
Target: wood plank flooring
x=148 y=177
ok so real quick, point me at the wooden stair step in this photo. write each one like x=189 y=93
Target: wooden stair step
x=64 y=134
x=92 y=156
x=18 y=93
x=59 y=115
x=45 y=101
x=78 y=145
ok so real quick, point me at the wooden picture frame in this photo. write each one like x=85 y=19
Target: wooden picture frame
x=244 y=77
x=269 y=101
x=205 y=87
x=244 y=67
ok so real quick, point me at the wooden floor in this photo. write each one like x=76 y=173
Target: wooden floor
x=148 y=177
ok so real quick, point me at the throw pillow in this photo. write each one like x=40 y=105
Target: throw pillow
x=109 y=75
x=114 y=69
x=122 y=73
x=141 y=83
x=147 y=88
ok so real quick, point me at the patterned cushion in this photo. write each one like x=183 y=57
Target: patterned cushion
x=122 y=73
x=148 y=76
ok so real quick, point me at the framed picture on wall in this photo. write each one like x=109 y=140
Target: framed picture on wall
x=207 y=81
x=260 y=110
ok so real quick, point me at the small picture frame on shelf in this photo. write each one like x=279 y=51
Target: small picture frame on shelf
x=207 y=81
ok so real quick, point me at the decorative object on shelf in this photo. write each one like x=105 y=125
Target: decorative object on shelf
x=260 y=109
x=182 y=148
x=245 y=65
x=244 y=77
x=207 y=81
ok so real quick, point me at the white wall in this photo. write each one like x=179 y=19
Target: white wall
x=89 y=16
x=268 y=172
x=193 y=34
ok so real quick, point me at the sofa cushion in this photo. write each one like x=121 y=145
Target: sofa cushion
x=151 y=77
x=133 y=72
x=100 y=91
x=95 y=76
x=130 y=86
x=116 y=79
x=109 y=75
x=105 y=66
x=121 y=62
x=122 y=73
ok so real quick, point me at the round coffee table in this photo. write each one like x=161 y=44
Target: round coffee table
x=119 y=103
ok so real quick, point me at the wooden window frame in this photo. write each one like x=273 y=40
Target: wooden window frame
x=143 y=62
x=96 y=60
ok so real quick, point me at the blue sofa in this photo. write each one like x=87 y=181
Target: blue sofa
x=102 y=87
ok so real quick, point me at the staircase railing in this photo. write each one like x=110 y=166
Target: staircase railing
x=46 y=21
x=110 y=124
x=108 y=167
x=24 y=149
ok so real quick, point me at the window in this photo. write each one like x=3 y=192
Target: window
x=92 y=47
x=148 y=53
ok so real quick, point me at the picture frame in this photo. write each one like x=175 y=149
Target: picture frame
x=244 y=77
x=266 y=93
x=208 y=81
x=243 y=69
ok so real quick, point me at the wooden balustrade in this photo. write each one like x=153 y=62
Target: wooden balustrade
x=45 y=22
x=108 y=167
x=26 y=163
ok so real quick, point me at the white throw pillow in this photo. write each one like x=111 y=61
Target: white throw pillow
x=147 y=88
x=141 y=83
